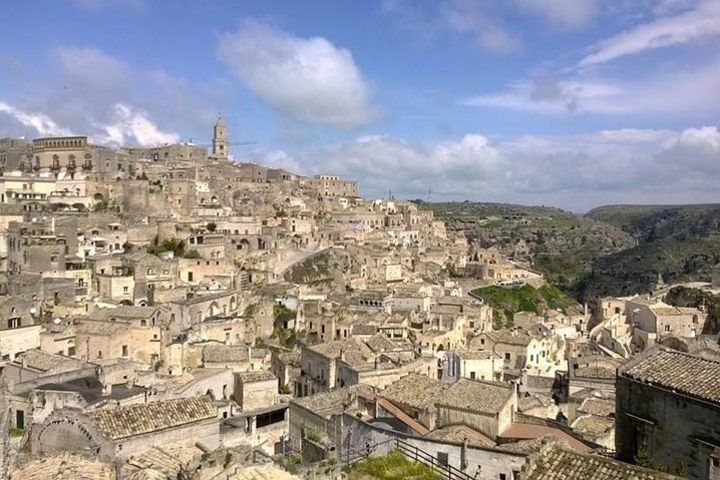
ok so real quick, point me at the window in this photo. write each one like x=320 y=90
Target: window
x=472 y=375
x=667 y=328
x=507 y=356
x=13 y=322
x=502 y=476
x=124 y=350
x=126 y=290
x=71 y=351
x=442 y=458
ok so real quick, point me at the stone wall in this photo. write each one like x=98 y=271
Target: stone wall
x=675 y=428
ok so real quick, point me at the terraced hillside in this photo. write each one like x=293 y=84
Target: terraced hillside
x=675 y=242
x=559 y=243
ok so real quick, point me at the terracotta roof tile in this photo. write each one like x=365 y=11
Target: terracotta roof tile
x=133 y=420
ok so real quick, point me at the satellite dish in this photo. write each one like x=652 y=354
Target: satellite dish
x=33 y=311
x=57 y=320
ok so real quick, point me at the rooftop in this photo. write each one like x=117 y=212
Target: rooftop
x=39 y=360
x=476 y=396
x=258 y=376
x=680 y=372
x=334 y=402
x=231 y=353
x=553 y=463
x=460 y=433
x=123 y=422
x=414 y=390
x=66 y=466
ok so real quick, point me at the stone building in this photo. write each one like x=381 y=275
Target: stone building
x=668 y=410
x=121 y=432
x=254 y=390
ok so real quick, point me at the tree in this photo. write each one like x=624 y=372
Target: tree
x=211 y=227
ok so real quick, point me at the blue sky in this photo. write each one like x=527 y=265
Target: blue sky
x=574 y=103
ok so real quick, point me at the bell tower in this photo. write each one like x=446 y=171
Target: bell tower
x=220 y=144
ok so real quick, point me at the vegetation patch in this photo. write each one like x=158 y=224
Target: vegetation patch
x=391 y=466
x=507 y=301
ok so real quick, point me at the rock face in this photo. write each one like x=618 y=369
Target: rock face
x=612 y=250
x=561 y=244
x=321 y=267
x=677 y=243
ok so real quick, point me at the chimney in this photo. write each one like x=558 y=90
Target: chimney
x=249 y=351
x=107 y=389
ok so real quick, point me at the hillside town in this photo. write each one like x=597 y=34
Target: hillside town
x=171 y=313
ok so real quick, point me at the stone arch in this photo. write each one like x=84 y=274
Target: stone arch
x=214 y=309
x=65 y=432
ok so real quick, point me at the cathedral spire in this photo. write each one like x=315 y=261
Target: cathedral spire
x=220 y=142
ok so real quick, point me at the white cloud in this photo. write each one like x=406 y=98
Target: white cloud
x=92 y=68
x=127 y=126
x=576 y=172
x=39 y=122
x=130 y=126
x=279 y=159
x=569 y=13
x=469 y=17
x=307 y=79
x=685 y=91
x=688 y=26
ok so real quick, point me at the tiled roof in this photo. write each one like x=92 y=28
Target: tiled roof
x=677 y=371
x=258 y=376
x=414 y=390
x=230 y=353
x=133 y=420
x=509 y=337
x=476 y=396
x=100 y=327
x=66 y=466
x=40 y=360
x=327 y=404
x=475 y=354
x=459 y=433
x=161 y=463
x=354 y=349
x=557 y=464
x=593 y=425
x=595 y=371
x=597 y=406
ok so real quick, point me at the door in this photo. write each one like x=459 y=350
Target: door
x=20 y=420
